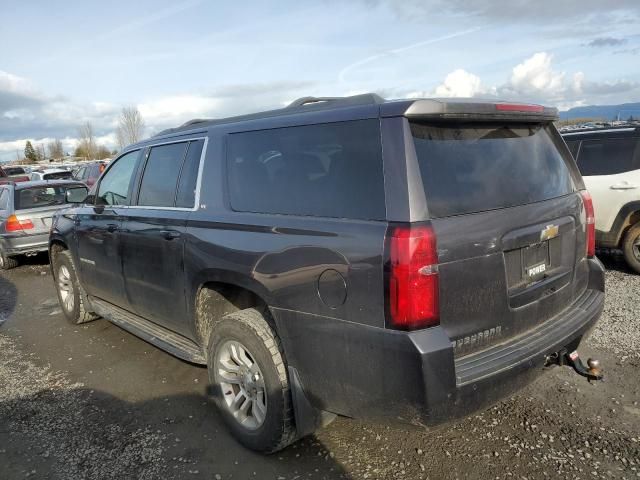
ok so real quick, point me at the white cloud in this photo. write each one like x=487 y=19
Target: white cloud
x=460 y=83
x=536 y=75
x=176 y=109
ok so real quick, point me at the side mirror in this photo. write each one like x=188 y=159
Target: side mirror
x=77 y=195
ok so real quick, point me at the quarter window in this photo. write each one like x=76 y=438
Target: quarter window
x=328 y=170
x=4 y=199
x=160 y=178
x=607 y=156
x=186 y=195
x=115 y=187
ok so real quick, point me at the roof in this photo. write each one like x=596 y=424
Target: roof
x=434 y=107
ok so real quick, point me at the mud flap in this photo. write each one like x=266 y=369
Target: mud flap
x=308 y=418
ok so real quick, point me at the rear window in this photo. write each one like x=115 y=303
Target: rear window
x=327 y=170
x=476 y=167
x=39 y=197
x=57 y=176
x=608 y=156
x=14 y=170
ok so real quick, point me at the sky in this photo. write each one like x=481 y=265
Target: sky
x=66 y=63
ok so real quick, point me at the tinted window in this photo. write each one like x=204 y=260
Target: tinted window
x=573 y=147
x=57 y=176
x=331 y=170
x=4 y=199
x=189 y=176
x=14 y=170
x=607 y=156
x=115 y=186
x=158 y=187
x=476 y=167
x=39 y=197
x=78 y=175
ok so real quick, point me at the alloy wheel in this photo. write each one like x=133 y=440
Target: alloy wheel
x=242 y=384
x=65 y=286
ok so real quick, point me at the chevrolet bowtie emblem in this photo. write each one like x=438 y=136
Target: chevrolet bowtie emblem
x=549 y=232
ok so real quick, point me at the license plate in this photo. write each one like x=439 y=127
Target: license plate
x=535 y=260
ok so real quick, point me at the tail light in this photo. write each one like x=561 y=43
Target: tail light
x=413 y=287
x=590 y=223
x=13 y=224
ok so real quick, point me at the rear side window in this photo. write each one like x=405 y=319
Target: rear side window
x=160 y=178
x=39 y=197
x=476 y=167
x=328 y=170
x=607 y=156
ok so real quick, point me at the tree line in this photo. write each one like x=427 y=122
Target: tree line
x=129 y=130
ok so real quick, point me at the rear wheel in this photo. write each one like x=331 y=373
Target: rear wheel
x=7 y=263
x=631 y=247
x=68 y=289
x=249 y=378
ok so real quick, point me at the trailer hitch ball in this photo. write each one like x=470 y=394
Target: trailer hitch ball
x=591 y=372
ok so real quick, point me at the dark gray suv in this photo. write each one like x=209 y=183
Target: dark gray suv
x=410 y=260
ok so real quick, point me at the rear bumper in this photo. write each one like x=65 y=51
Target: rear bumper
x=414 y=377
x=22 y=244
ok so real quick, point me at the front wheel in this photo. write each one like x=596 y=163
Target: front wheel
x=249 y=378
x=631 y=247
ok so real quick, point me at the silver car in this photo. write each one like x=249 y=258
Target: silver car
x=26 y=209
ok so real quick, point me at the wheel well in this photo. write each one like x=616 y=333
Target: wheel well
x=55 y=248
x=631 y=220
x=215 y=300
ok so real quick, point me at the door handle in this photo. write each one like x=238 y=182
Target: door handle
x=112 y=227
x=170 y=234
x=623 y=186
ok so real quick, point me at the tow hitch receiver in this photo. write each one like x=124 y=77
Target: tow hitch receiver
x=591 y=372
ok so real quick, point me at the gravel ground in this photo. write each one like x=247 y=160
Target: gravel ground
x=95 y=402
x=619 y=329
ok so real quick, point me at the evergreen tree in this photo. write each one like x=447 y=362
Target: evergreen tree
x=30 y=153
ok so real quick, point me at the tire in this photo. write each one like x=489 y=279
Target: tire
x=631 y=247
x=267 y=424
x=7 y=263
x=68 y=290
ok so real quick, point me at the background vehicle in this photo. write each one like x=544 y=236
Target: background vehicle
x=6 y=176
x=26 y=210
x=609 y=160
x=89 y=173
x=317 y=273
x=51 y=174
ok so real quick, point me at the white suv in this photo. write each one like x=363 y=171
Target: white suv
x=609 y=160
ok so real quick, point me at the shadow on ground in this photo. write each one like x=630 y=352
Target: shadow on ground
x=70 y=433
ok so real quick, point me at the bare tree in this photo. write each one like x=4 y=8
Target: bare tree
x=41 y=155
x=130 y=126
x=55 y=149
x=87 y=141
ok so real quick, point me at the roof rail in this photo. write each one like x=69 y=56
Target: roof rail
x=364 y=99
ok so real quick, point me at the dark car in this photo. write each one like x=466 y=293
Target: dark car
x=89 y=173
x=408 y=260
x=12 y=175
x=26 y=210
x=609 y=160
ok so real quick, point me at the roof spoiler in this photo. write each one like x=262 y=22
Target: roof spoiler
x=480 y=111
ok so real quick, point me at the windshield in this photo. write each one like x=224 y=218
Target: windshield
x=14 y=171
x=476 y=167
